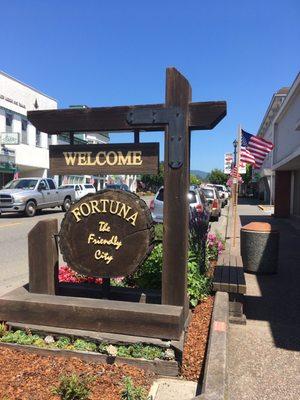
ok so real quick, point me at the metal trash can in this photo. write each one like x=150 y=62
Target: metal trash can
x=259 y=248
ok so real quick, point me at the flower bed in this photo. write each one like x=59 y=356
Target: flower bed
x=25 y=376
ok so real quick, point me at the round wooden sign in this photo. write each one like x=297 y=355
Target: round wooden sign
x=107 y=234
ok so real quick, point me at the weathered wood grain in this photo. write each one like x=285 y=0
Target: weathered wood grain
x=135 y=237
x=158 y=367
x=176 y=223
x=43 y=257
x=95 y=159
x=150 y=320
x=200 y=116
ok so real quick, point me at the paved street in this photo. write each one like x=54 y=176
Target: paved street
x=13 y=247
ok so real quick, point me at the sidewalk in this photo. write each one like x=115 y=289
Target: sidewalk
x=264 y=354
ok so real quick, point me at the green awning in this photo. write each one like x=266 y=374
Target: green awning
x=7 y=168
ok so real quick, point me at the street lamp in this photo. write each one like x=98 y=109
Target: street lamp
x=235 y=143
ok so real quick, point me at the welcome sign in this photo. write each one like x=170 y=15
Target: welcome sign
x=94 y=159
x=107 y=234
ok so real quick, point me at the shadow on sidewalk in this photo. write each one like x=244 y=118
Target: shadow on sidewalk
x=279 y=302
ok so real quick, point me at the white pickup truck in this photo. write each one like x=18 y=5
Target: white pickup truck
x=27 y=195
x=81 y=189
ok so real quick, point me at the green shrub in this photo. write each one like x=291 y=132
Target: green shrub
x=199 y=285
x=3 y=329
x=132 y=392
x=84 y=345
x=73 y=387
x=63 y=342
x=19 y=337
x=149 y=275
x=159 y=229
x=140 y=351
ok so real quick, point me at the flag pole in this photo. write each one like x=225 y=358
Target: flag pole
x=236 y=187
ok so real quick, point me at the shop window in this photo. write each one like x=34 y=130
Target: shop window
x=9 y=119
x=38 y=139
x=24 y=138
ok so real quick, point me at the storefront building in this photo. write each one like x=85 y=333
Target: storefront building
x=24 y=150
x=286 y=154
x=265 y=177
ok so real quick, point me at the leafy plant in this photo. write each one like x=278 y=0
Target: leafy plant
x=73 y=387
x=63 y=342
x=140 y=351
x=3 y=329
x=199 y=285
x=149 y=274
x=84 y=345
x=132 y=392
x=19 y=337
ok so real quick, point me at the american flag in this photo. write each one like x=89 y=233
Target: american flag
x=254 y=149
x=235 y=174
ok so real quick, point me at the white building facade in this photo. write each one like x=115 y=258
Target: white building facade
x=286 y=154
x=266 y=182
x=279 y=182
x=30 y=157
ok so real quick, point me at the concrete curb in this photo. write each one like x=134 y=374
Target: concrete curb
x=215 y=374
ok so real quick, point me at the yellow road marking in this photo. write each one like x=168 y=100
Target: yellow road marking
x=14 y=223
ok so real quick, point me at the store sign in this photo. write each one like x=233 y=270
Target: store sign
x=107 y=234
x=228 y=160
x=94 y=159
x=242 y=168
x=9 y=138
x=12 y=101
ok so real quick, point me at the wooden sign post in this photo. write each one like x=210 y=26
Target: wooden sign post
x=108 y=234
x=101 y=241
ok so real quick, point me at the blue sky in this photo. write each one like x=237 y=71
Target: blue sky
x=103 y=53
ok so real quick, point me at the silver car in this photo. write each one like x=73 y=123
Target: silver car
x=27 y=195
x=196 y=201
x=212 y=196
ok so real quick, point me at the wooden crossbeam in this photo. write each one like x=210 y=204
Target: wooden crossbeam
x=200 y=116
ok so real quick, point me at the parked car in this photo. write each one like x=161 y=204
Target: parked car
x=212 y=196
x=197 y=201
x=27 y=195
x=120 y=186
x=80 y=189
x=223 y=194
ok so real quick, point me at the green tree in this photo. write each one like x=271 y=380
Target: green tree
x=153 y=182
x=247 y=177
x=194 y=180
x=217 y=176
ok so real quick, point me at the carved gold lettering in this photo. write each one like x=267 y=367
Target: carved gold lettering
x=116 y=208
x=104 y=227
x=132 y=218
x=124 y=209
x=82 y=158
x=70 y=158
x=85 y=209
x=114 y=156
x=89 y=162
x=94 y=206
x=98 y=158
x=137 y=158
x=104 y=202
x=76 y=213
x=103 y=255
x=124 y=160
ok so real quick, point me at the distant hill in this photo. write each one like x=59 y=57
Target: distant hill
x=200 y=174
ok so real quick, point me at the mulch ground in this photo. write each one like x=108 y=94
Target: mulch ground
x=196 y=340
x=25 y=376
